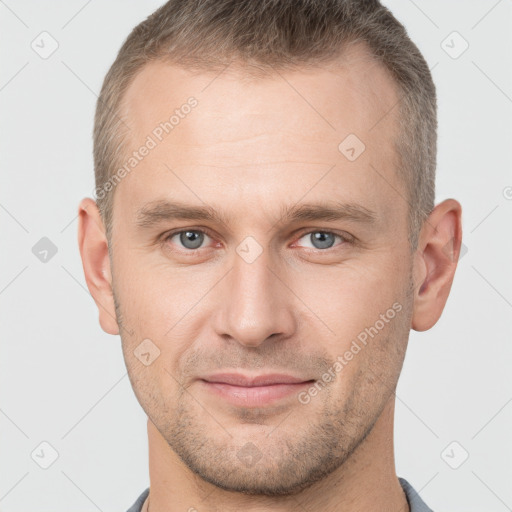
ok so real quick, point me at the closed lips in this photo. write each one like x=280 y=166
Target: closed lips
x=235 y=379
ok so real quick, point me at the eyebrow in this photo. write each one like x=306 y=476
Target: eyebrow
x=156 y=212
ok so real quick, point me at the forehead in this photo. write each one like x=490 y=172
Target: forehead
x=251 y=133
x=352 y=92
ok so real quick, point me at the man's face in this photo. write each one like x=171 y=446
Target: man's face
x=260 y=292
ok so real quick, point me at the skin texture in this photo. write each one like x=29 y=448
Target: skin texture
x=250 y=148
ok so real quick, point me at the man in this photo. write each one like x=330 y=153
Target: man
x=263 y=239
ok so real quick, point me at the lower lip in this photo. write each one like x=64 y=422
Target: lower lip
x=255 y=396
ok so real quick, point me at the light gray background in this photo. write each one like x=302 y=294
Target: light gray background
x=63 y=380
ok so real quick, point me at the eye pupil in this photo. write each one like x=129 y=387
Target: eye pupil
x=322 y=239
x=191 y=239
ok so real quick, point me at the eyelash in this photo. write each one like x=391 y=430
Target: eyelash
x=346 y=238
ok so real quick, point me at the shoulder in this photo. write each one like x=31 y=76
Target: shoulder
x=416 y=504
x=137 y=506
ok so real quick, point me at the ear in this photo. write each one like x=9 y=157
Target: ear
x=93 y=246
x=435 y=262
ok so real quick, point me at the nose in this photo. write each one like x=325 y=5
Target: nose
x=255 y=303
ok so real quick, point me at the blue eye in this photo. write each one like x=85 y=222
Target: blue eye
x=322 y=239
x=194 y=239
x=190 y=239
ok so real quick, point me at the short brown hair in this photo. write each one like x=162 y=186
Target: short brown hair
x=207 y=34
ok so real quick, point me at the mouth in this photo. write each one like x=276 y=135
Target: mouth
x=253 y=391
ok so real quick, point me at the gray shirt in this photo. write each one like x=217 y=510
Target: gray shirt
x=416 y=504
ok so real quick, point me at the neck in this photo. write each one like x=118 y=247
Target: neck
x=367 y=481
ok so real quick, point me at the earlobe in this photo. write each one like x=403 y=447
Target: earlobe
x=435 y=263
x=93 y=246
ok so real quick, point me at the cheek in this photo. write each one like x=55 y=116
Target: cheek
x=346 y=300
x=152 y=297
x=164 y=309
